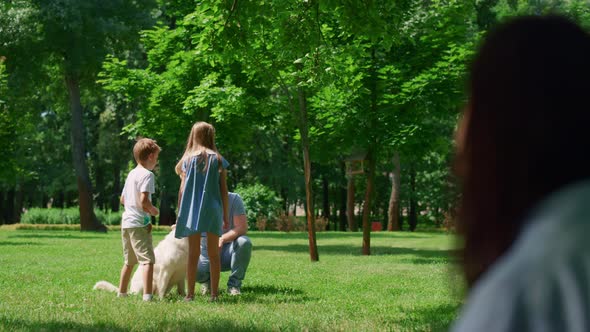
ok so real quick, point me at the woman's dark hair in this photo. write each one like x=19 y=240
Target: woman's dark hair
x=527 y=130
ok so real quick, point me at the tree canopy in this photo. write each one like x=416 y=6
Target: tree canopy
x=293 y=88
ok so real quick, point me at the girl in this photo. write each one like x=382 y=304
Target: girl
x=203 y=202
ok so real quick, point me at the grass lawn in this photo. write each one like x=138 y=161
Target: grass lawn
x=407 y=284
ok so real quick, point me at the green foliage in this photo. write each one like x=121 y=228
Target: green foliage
x=2 y=80
x=51 y=272
x=69 y=216
x=259 y=201
x=5 y=123
x=577 y=10
x=393 y=85
x=383 y=76
x=45 y=43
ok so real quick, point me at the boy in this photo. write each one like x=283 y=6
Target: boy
x=136 y=226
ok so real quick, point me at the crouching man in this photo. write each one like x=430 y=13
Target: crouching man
x=235 y=249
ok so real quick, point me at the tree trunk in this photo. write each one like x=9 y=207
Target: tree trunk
x=45 y=201
x=19 y=203
x=101 y=200
x=115 y=200
x=59 y=200
x=167 y=214
x=309 y=211
x=119 y=163
x=284 y=202
x=303 y=131
x=371 y=157
x=350 y=204
x=393 y=211
x=367 y=204
x=342 y=216
x=2 y=207
x=326 y=201
x=9 y=212
x=88 y=221
x=413 y=214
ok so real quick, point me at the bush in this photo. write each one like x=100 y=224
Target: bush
x=109 y=217
x=68 y=216
x=289 y=223
x=261 y=202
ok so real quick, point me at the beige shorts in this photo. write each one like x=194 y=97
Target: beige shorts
x=137 y=246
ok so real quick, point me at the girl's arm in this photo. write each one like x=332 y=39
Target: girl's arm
x=182 y=178
x=224 y=198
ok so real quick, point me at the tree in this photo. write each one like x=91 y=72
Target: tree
x=227 y=64
x=75 y=36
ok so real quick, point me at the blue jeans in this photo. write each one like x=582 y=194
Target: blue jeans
x=235 y=257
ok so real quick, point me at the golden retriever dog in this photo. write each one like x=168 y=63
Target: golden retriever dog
x=169 y=270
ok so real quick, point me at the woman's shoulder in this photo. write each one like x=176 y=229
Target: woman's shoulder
x=530 y=296
x=534 y=280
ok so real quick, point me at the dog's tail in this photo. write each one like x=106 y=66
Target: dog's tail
x=106 y=286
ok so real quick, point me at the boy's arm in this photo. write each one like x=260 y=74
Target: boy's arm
x=147 y=205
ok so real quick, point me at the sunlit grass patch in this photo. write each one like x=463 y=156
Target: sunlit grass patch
x=408 y=283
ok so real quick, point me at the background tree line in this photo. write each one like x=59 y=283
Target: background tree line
x=294 y=88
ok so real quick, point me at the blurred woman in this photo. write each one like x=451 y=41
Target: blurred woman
x=521 y=157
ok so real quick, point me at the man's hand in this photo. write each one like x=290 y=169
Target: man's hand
x=149 y=228
x=221 y=242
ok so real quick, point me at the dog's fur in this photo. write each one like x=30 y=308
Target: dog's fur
x=169 y=270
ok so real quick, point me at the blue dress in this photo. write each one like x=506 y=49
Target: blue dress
x=201 y=208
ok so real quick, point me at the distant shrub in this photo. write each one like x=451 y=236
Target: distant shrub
x=109 y=217
x=41 y=216
x=261 y=223
x=68 y=216
x=261 y=202
x=289 y=223
x=64 y=227
x=321 y=223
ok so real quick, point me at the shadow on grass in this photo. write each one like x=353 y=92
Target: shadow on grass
x=428 y=261
x=357 y=250
x=48 y=235
x=260 y=294
x=342 y=235
x=8 y=243
x=268 y=294
x=16 y=324
x=438 y=318
x=216 y=325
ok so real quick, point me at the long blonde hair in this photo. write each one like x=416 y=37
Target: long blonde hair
x=201 y=138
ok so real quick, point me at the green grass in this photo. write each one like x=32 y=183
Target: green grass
x=407 y=284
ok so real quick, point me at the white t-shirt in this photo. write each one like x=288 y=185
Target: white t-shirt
x=139 y=180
